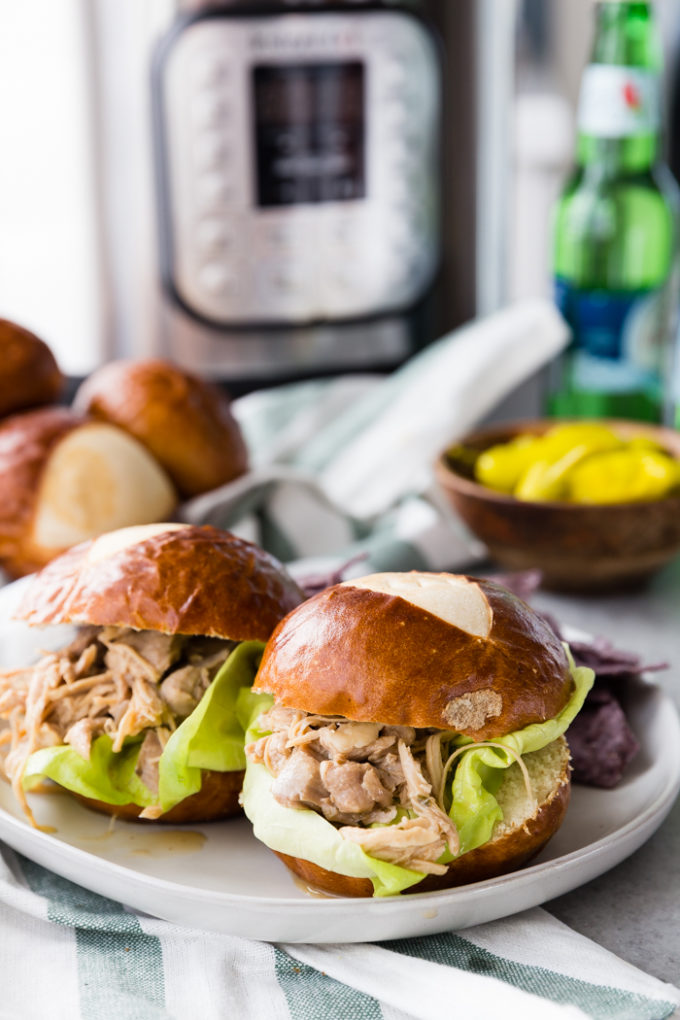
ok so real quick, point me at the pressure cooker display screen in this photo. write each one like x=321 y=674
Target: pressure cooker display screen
x=309 y=133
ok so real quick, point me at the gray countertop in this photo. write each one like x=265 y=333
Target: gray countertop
x=634 y=909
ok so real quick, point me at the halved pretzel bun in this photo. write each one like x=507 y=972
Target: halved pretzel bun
x=173 y=578
x=419 y=649
x=519 y=836
x=29 y=374
x=184 y=421
x=65 y=479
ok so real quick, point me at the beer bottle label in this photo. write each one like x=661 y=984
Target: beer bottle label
x=617 y=338
x=618 y=102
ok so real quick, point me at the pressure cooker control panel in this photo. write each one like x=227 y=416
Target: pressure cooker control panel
x=298 y=164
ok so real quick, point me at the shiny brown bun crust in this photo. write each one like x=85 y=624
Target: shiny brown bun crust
x=29 y=374
x=374 y=657
x=26 y=441
x=217 y=799
x=177 y=579
x=185 y=422
x=511 y=845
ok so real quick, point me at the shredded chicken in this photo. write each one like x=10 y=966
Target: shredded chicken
x=361 y=777
x=109 y=680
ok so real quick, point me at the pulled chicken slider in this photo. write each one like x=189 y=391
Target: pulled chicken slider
x=139 y=713
x=414 y=736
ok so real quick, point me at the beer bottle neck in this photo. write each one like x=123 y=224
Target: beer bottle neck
x=626 y=35
x=619 y=108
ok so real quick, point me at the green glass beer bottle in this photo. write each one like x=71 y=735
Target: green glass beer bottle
x=615 y=230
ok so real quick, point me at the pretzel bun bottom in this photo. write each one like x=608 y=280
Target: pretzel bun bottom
x=518 y=837
x=217 y=799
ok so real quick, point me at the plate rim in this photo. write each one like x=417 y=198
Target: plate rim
x=655 y=812
x=96 y=872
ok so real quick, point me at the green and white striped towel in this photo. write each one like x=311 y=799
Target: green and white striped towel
x=344 y=467
x=69 y=954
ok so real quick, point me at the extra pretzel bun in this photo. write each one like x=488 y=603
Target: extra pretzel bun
x=177 y=579
x=217 y=799
x=173 y=578
x=65 y=479
x=432 y=651
x=520 y=835
x=185 y=422
x=29 y=374
x=416 y=649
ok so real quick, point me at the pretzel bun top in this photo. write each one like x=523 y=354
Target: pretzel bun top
x=173 y=578
x=184 y=421
x=427 y=650
x=29 y=374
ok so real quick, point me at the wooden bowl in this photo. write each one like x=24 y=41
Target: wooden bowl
x=577 y=547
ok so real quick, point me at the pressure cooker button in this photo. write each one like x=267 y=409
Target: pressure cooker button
x=405 y=192
x=395 y=78
x=216 y=278
x=213 y=235
x=350 y=278
x=211 y=151
x=214 y=190
x=209 y=109
x=282 y=235
x=209 y=70
x=286 y=281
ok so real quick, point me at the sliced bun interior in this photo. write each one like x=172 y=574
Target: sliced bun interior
x=65 y=479
x=98 y=479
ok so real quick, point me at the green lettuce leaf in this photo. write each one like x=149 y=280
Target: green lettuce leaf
x=212 y=737
x=107 y=775
x=300 y=832
x=308 y=835
x=474 y=808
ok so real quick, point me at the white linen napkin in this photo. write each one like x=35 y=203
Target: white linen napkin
x=344 y=467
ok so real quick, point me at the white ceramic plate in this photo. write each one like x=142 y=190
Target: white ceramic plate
x=218 y=877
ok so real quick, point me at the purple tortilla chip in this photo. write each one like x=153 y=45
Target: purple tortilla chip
x=601 y=741
x=314 y=583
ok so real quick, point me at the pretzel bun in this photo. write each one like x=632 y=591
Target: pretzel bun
x=173 y=578
x=177 y=579
x=29 y=374
x=217 y=799
x=185 y=422
x=433 y=651
x=65 y=479
x=418 y=649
